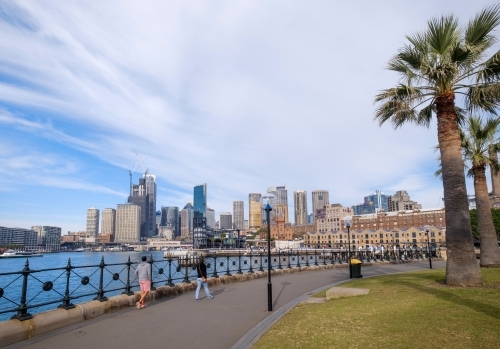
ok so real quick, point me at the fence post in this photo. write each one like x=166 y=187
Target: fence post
x=100 y=292
x=22 y=311
x=153 y=288
x=169 y=281
x=66 y=304
x=227 y=265
x=250 y=270
x=128 y=287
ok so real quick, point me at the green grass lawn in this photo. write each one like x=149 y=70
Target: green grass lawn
x=412 y=310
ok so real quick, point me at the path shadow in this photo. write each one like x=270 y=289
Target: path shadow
x=283 y=285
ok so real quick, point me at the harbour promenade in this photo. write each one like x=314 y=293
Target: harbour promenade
x=234 y=318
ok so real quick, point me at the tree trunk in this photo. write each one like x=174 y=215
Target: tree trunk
x=461 y=266
x=490 y=254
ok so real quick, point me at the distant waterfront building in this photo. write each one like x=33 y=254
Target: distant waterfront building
x=200 y=200
x=281 y=194
x=92 y=224
x=24 y=238
x=300 y=206
x=245 y=224
x=187 y=219
x=108 y=223
x=320 y=198
x=128 y=223
x=49 y=237
x=238 y=214
x=210 y=221
x=401 y=202
x=373 y=203
x=254 y=211
x=226 y=220
x=310 y=218
x=170 y=218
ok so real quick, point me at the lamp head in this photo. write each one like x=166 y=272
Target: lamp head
x=427 y=228
x=268 y=202
x=348 y=221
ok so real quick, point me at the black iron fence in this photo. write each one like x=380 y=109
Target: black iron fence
x=28 y=290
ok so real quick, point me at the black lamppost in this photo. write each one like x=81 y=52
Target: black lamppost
x=347 y=223
x=267 y=202
x=427 y=228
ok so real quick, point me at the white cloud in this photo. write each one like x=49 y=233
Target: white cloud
x=240 y=95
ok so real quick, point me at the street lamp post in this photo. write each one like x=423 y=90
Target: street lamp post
x=427 y=228
x=267 y=202
x=348 y=223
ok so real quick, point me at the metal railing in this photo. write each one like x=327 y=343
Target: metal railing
x=23 y=291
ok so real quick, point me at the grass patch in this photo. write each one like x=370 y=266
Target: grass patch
x=409 y=310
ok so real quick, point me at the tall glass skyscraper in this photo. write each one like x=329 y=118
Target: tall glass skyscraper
x=170 y=218
x=200 y=200
x=372 y=204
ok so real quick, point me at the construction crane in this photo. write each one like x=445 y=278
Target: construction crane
x=138 y=161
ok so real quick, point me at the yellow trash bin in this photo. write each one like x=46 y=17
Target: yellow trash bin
x=356 y=268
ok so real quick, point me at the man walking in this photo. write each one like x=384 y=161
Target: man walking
x=143 y=273
x=202 y=279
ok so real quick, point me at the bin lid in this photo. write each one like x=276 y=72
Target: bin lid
x=356 y=261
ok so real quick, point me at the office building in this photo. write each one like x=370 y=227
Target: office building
x=300 y=206
x=226 y=220
x=108 y=223
x=150 y=181
x=331 y=217
x=239 y=215
x=373 y=203
x=92 y=224
x=401 y=202
x=128 y=223
x=187 y=219
x=320 y=198
x=254 y=211
x=210 y=221
x=281 y=194
x=140 y=198
x=170 y=218
x=23 y=238
x=49 y=237
x=200 y=201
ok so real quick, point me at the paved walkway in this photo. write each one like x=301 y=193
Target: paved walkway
x=235 y=318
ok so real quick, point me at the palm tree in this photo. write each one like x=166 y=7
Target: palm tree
x=444 y=60
x=479 y=148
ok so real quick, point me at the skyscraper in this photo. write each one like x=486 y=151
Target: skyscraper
x=373 y=203
x=238 y=214
x=128 y=223
x=187 y=220
x=49 y=237
x=300 y=206
x=108 y=223
x=320 y=199
x=210 y=221
x=226 y=220
x=254 y=211
x=150 y=181
x=140 y=198
x=200 y=200
x=92 y=224
x=281 y=194
x=170 y=218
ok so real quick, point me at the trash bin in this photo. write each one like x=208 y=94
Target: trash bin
x=356 y=268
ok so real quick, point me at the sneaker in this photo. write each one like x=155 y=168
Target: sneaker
x=138 y=305
x=196 y=299
x=143 y=306
x=210 y=297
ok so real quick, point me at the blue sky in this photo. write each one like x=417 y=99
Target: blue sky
x=241 y=95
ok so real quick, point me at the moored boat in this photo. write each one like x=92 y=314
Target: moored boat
x=20 y=254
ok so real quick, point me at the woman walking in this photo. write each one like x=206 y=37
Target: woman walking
x=202 y=279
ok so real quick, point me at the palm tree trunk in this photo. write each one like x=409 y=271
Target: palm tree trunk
x=490 y=254
x=461 y=266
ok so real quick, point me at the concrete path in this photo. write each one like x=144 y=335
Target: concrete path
x=235 y=318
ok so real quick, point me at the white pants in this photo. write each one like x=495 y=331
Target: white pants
x=205 y=284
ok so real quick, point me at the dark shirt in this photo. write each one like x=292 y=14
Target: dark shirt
x=202 y=270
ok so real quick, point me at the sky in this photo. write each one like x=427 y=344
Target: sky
x=241 y=95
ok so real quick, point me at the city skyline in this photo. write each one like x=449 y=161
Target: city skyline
x=147 y=92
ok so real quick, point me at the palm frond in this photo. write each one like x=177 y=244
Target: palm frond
x=490 y=70
x=443 y=34
x=478 y=31
x=484 y=97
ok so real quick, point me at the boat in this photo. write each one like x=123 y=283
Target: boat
x=20 y=254
x=176 y=252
